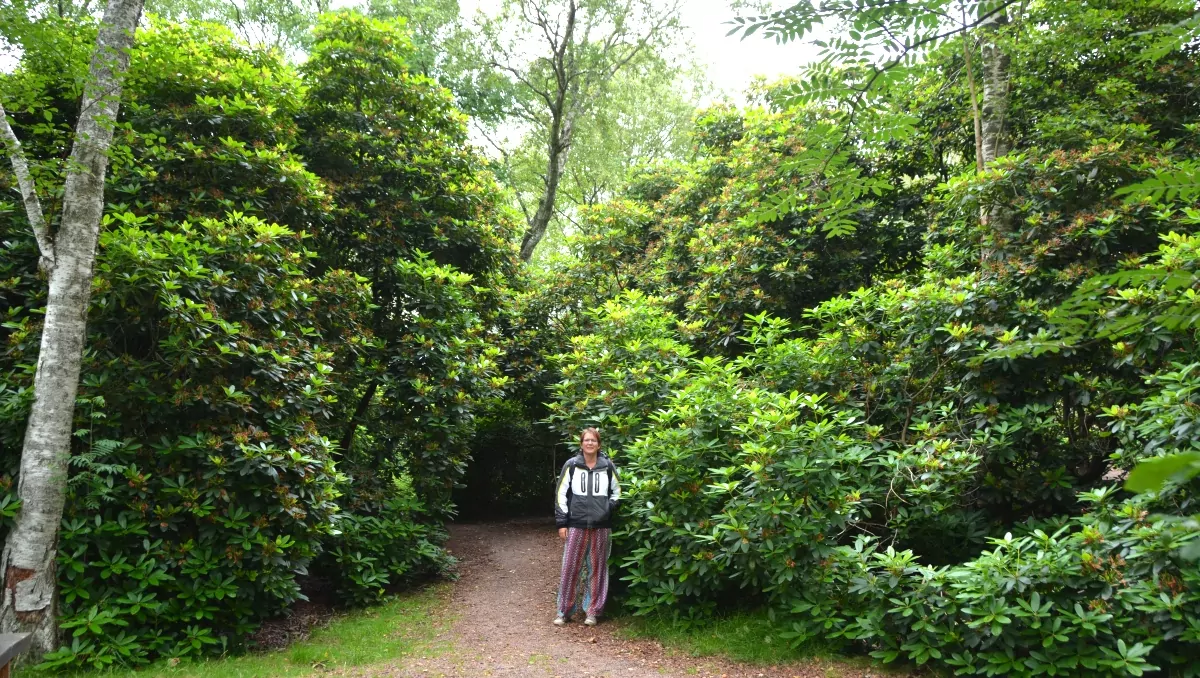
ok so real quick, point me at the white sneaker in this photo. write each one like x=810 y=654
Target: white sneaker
x=590 y=621
x=560 y=620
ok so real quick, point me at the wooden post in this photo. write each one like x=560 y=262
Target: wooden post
x=11 y=645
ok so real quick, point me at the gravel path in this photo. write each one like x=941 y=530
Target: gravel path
x=501 y=609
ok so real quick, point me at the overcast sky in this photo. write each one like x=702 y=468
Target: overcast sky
x=731 y=63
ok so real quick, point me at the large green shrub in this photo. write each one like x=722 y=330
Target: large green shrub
x=615 y=377
x=202 y=485
x=417 y=215
x=1105 y=594
x=382 y=541
x=224 y=353
x=854 y=468
x=740 y=489
x=685 y=232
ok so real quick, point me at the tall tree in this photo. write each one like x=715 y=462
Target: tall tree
x=418 y=216
x=27 y=564
x=877 y=44
x=279 y=24
x=560 y=58
x=643 y=118
x=430 y=23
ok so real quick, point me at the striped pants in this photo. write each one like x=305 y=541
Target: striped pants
x=584 y=571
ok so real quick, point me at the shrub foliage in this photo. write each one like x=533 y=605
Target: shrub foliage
x=884 y=394
x=230 y=341
x=924 y=466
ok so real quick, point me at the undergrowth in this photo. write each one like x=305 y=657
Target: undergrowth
x=400 y=627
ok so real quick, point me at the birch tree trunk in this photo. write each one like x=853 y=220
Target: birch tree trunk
x=27 y=566
x=996 y=82
x=993 y=119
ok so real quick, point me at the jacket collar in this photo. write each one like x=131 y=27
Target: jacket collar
x=601 y=460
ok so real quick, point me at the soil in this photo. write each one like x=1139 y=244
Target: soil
x=499 y=623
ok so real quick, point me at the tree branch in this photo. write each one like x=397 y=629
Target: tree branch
x=33 y=206
x=861 y=92
x=516 y=73
x=976 y=120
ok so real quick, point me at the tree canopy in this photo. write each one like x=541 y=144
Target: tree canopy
x=902 y=352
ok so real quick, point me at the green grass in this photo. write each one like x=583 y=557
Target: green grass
x=400 y=627
x=745 y=637
x=748 y=637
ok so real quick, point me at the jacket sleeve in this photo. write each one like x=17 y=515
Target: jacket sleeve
x=614 y=488
x=562 y=496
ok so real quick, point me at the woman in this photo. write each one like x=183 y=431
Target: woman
x=587 y=493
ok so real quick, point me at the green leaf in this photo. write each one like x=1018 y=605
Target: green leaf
x=1151 y=474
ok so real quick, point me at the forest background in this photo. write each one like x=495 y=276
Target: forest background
x=875 y=352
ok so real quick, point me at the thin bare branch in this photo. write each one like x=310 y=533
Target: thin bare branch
x=520 y=77
x=976 y=120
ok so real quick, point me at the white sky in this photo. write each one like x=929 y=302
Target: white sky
x=731 y=63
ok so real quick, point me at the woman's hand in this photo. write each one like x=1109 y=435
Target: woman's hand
x=562 y=533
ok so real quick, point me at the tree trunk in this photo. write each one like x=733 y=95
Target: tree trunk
x=29 y=196
x=545 y=211
x=562 y=122
x=360 y=411
x=996 y=81
x=27 y=564
x=994 y=113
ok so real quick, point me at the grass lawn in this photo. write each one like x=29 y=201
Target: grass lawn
x=743 y=637
x=400 y=627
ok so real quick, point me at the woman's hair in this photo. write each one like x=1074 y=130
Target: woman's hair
x=586 y=431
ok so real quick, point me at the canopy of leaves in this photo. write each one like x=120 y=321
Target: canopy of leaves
x=919 y=459
x=243 y=300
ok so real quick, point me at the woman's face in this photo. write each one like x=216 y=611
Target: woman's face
x=590 y=443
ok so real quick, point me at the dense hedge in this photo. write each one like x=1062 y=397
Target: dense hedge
x=231 y=339
x=742 y=489
x=682 y=231
x=927 y=467
x=202 y=485
x=418 y=217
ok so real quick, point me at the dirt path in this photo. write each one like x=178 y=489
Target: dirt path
x=501 y=609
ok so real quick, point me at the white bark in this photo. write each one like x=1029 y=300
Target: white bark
x=33 y=206
x=993 y=135
x=27 y=564
x=996 y=80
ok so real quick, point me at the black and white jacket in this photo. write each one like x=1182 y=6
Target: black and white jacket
x=586 y=497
